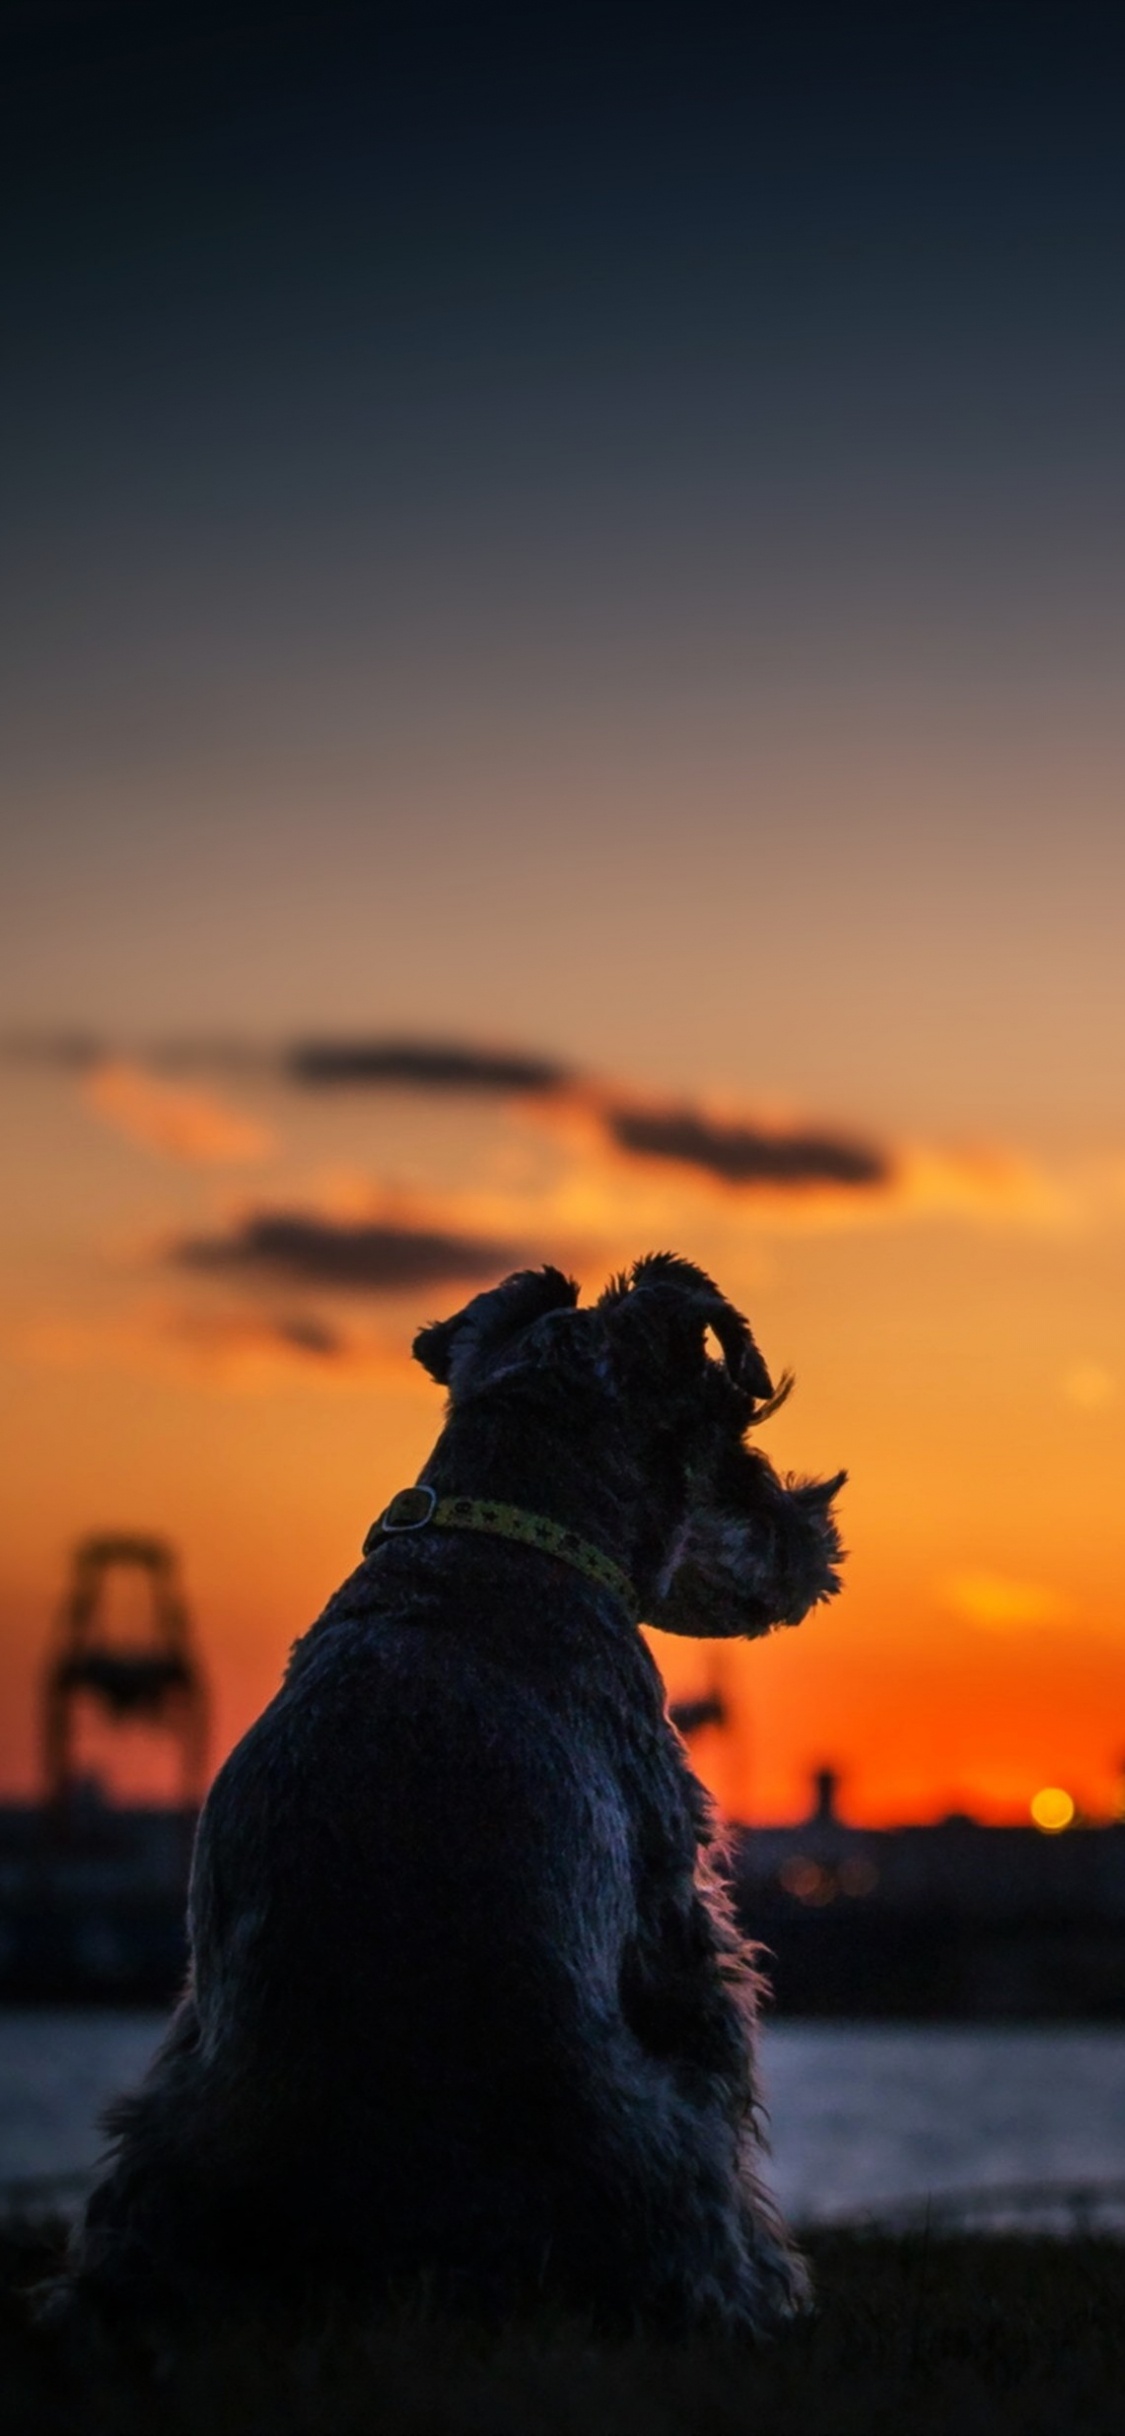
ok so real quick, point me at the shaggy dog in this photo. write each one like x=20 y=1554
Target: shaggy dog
x=467 y=2002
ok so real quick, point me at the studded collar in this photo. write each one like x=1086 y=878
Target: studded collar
x=421 y=1509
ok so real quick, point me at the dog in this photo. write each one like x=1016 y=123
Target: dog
x=468 y=2008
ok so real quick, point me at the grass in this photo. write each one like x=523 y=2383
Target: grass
x=912 y=2336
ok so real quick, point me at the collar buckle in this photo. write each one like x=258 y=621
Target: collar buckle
x=410 y=1510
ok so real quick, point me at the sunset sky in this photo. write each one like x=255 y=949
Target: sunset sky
x=564 y=605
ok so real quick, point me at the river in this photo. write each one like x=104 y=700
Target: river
x=860 y=2116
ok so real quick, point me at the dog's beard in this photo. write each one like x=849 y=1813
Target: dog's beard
x=757 y=1553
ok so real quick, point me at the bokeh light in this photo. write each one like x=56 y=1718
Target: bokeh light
x=1052 y=1809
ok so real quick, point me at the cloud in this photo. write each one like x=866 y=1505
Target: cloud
x=367 y=1256
x=739 y=1151
x=194 y=1126
x=628 y=1154
x=226 y=1339
x=423 y=1065
x=324 y=1063
x=70 y=1050
x=998 y=1604
x=226 y=1350
x=310 y=1335
x=743 y=1153
x=684 y=1163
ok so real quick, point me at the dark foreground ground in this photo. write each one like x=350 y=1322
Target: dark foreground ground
x=912 y=2336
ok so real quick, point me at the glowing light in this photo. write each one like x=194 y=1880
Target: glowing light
x=1089 y=1386
x=1052 y=1809
x=998 y=1604
x=858 y=1876
x=807 y=1880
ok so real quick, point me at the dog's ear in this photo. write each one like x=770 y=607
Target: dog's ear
x=756 y=1551
x=664 y=1309
x=452 y=1349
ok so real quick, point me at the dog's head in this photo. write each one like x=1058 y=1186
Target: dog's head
x=719 y=1544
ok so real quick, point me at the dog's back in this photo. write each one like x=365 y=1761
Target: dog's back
x=414 y=1897
x=467 y=2002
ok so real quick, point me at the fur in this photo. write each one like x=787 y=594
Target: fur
x=467 y=2001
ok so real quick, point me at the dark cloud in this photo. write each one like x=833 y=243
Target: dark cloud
x=743 y=1154
x=734 y=1152
x=424 y=1065
x=309 y=1335
x=349 y=1255
x=227 y=1335
x=73 y=1050
x=316 y=1065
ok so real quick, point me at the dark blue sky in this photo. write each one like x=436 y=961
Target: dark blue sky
x=425 y=427
x=618 y=289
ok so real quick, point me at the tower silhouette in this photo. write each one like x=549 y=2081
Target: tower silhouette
x=154 y=1676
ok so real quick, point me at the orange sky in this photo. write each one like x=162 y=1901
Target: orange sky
x=956 y=1329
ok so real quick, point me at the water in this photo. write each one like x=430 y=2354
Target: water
x=57 y=2070
x=863 y=2116
x=859 y=2116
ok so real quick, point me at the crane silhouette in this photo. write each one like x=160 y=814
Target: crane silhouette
x=154 y=1677
x=690 y=1716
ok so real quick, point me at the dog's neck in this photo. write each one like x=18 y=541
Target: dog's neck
x=486 y=1452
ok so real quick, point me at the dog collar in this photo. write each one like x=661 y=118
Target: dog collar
x=421 y=1508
